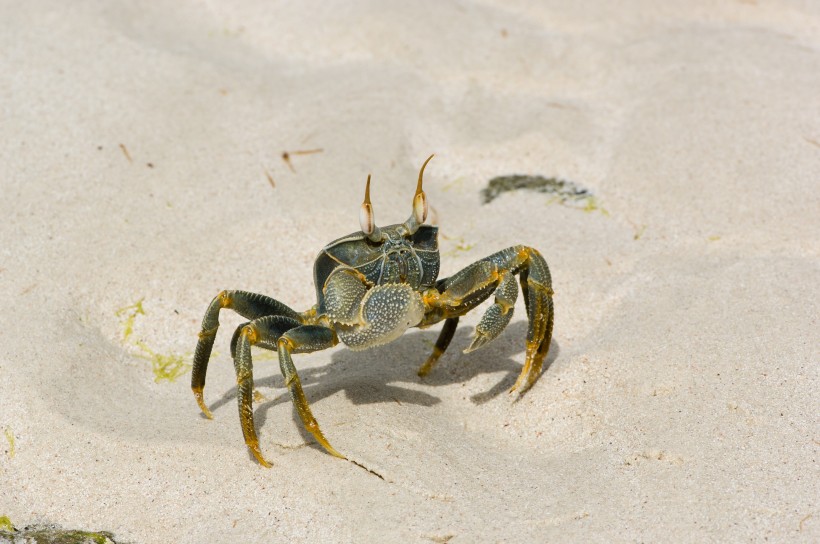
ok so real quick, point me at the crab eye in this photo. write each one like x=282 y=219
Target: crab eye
x=367 y=219
x=420 y=207
x=420 y=199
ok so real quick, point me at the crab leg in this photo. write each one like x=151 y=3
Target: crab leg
x=269 y=342
x=248 y=305
x=536 y=284
x=461 y=292
x=444 y=338
x=263 y=332
x=305 y=339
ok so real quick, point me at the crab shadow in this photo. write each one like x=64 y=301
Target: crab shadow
x=376 y=375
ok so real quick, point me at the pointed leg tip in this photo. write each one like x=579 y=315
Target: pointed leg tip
x=206 y=411
x=520 y=385
x=258 y=454
x=339 y=455
x=429 y=364
x=330 y=449
x=521 y=388
x=200 y=400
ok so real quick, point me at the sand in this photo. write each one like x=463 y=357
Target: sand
x=141 y=168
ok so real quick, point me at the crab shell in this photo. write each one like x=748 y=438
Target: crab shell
x=400 y=257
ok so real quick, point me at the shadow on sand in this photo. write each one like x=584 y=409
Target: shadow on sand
x=370 y=376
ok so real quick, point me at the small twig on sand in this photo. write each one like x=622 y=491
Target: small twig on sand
x=126 y=153
x=286 y=155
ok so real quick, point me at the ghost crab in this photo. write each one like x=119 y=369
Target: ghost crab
x=371 y=286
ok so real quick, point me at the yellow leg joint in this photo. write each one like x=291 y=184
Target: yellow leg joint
x=538 y=285
x=209 y=332
x=430 y=297
x=250 y=332
x=225 y=299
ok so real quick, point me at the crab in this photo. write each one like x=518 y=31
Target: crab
x=371 y=286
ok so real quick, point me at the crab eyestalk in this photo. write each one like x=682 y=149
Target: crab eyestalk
x=419 y=214
x=367 y=219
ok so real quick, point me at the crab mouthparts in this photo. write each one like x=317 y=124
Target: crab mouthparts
x=402 y=266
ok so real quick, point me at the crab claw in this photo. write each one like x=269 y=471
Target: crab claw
x=479 y=341
x=494 y=320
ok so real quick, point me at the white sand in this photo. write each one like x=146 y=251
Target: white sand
x=682 y=401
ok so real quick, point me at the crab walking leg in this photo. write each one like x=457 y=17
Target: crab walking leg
x=248 y=305
x=278 y=323
x=461 y=292
x=536 y=283
x=305 y=339
x=444 y=338
x=263 y=332
x=537 y=286
x=453 y=297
